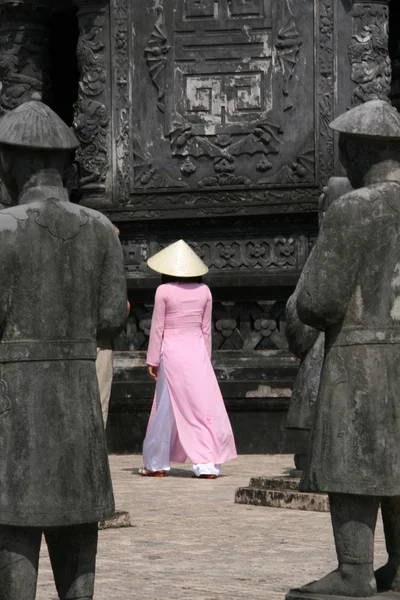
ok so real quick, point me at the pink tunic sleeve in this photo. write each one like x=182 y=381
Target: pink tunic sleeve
x=206 y=325
x=157 y=329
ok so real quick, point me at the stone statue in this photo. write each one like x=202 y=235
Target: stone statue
x=307 y=343
x=62 y=290
x=351 y=291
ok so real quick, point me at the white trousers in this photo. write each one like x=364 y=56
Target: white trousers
x=104 y=371
x=162 y=433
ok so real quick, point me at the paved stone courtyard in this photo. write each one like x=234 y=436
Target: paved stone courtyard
x=189 y=541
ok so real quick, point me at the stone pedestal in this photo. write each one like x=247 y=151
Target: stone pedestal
x=296 y=595
x=119 y=520
x=280 y=492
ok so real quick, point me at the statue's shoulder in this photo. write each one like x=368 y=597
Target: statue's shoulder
x=10 y=216
x=358 y=197
x=353 y=208
x=96 y=216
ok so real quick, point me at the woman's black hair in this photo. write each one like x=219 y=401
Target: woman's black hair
x=172 y=279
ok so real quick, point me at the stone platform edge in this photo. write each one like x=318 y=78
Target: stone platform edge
x=297 y=595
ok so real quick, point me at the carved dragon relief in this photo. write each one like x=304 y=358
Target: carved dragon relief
x=92 y=119
x=369 y=54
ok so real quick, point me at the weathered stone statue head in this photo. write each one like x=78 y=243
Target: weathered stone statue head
x=369 y=141
x=35 y=148
x=350 y=291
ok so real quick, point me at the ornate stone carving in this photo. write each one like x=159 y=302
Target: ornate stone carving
x=149 y=176
x=91 y=128
x=209 y=148
x=264 y=140
x=368 y=52
x=92 y=120
x=119 y=21
x=256 y=254
x=300 y=171
x=326 y=88
x=214 y=202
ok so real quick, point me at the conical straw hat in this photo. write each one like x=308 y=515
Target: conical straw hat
x=34 y=125
x=178 y=260
x=375 y=118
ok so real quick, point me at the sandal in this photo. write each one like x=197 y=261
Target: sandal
x=194 y=476
x=146 y=473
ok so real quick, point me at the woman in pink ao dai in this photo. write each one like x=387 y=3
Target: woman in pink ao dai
x=188 y=417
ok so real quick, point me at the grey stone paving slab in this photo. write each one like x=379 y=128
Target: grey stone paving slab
x=190 y=541
x=295 y=595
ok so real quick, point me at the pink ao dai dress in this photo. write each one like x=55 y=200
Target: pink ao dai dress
x=188 y=417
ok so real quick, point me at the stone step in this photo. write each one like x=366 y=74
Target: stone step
x=282 y=499
x=275 y=483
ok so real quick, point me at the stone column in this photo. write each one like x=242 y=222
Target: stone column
x=92 y=121
x=369 y=51
x=24 y=57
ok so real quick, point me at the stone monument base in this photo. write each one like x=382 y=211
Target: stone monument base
x=280 y=492
x=296 y=595
x=120 y=519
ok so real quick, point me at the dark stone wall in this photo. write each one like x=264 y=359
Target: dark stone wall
x=221 y=136
x=209 y=121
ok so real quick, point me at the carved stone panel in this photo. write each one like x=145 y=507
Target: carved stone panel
x=223 y=95
x=269 y=253
x=245 y=326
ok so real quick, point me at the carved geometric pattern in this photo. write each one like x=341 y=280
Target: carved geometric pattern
x=246 y=326
x=264 y=254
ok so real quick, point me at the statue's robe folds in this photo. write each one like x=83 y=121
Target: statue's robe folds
x=308 y=345
x=62 y=288
x=351 y=290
